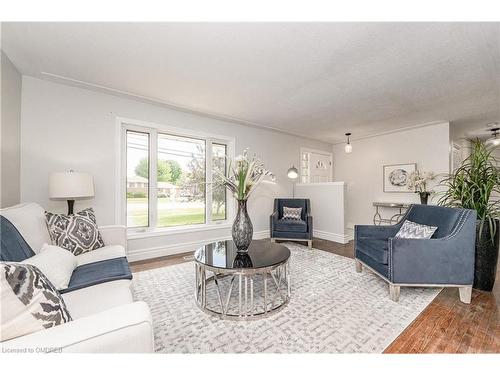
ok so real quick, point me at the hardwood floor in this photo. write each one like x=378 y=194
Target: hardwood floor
x=445 y=326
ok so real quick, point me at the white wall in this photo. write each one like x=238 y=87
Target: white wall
x=10 y=133
x=67 y=127
x=327 y=209
x=361 y=170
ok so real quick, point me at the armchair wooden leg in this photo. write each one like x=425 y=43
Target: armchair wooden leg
x=394 y=291
x=359 y=266
x=465 y=294
x=309 y=244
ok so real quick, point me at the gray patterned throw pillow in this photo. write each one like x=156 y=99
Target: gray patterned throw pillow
x=77 y=233
x=292 y=213
x=30 y=302
x=409 y=229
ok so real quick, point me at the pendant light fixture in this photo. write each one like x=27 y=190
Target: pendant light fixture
x=494 y=141
x=348 y=146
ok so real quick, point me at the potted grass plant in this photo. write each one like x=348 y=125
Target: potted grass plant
x=244 y=174
x=476 y=185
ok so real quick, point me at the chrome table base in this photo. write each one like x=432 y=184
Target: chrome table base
x=245 y=304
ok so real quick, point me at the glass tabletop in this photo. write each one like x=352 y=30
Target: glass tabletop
x=223 y=254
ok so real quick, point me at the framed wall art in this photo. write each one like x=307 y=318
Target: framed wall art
x=396 y=177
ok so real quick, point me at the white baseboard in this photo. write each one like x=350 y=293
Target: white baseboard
x=335 y=237
x=179 y=248
x=349 y=233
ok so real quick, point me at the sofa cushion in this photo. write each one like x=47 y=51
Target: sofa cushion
x=103 y=253
x=13 y=247
x=29 y=220
x=56 y=263
x=375 y=248
x=97 y=298
x=29 y=301
x=99 y=272
x=77 y=233
x=290 y=225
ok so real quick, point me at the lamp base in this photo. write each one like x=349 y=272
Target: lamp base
x=71 y=204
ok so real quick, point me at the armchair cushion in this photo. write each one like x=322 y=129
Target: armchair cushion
x=290 y=225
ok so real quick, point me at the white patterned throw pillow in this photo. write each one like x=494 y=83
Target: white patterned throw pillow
x=409 y=229
x=30 y=302
x=77 y=233
x=292 y=213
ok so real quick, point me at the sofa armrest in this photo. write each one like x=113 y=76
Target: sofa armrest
x=376 y=231
x=114 y=235
x=431 y=261
x=123 y=329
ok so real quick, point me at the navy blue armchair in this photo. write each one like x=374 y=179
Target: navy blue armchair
x=286 y=229
x=445 y=260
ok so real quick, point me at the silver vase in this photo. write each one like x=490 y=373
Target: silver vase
x=242 y=228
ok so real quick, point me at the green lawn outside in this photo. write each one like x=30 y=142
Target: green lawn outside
x=169 y=216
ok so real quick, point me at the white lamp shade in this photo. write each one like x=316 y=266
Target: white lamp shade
x=348 y=148
x=70 y=185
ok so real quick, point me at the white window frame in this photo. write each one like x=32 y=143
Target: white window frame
x=153 y=129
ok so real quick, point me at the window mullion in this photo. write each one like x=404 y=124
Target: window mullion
x=153 y=176
x=208 y=181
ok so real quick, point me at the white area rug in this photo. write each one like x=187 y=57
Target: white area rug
x=333 y=309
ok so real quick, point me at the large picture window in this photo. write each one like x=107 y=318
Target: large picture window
x=170 y=179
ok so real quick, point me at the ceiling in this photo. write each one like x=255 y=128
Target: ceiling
x=318 y=80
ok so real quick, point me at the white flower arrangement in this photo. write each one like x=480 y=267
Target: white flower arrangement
x=244 y=174
x=418 y=180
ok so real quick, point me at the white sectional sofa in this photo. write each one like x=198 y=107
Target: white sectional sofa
x=105 y=316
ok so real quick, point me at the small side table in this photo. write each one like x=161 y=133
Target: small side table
x=394 y=219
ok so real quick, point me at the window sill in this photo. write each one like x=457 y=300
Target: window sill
x=135 y=234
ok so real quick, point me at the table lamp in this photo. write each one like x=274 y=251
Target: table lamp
x=70 y=186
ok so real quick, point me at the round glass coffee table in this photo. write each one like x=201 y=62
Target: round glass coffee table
x=242 y=286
